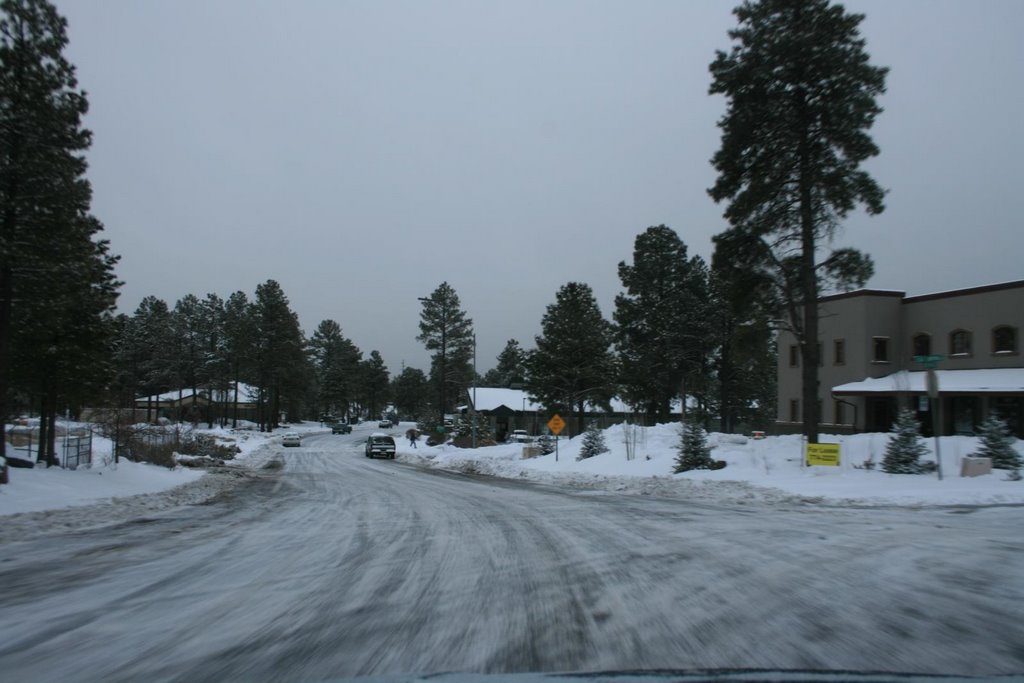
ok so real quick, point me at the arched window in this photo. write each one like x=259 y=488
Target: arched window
x=1004 y=339
x=959 y=343
x=922 y=344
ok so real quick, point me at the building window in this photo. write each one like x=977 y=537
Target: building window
x=1004 y=339
x=881 y=349
x=838 y=407
x=839 y=352
x=922 y=344
x=794 y=355
x=960 y=343
x=794 y=410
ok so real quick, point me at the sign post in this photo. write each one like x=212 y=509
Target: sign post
x=932 y=382
x=556 y=424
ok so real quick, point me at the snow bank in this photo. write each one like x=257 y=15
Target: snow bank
x=768 y=469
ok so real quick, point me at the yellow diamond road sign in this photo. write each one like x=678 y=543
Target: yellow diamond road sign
x=556 y=424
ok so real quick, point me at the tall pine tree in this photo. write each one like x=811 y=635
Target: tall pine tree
x=661 y=321
x=573 y=365
x=447 y=331
x=57 y=287
x=281 y=369
x=800 y=99
x=411 y=393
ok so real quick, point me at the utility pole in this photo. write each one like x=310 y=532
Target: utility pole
x=473 y=411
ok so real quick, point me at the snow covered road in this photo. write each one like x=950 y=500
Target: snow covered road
x=338 y=566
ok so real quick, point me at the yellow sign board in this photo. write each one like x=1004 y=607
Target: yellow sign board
x=823 y=454
x=556 y=424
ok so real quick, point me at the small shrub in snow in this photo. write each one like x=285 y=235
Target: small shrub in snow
x=997 y=443
x=694 y=452
x=905 y=448
x=593 y=442
x=546 y=443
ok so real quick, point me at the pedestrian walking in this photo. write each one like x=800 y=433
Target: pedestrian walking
x=413 y=437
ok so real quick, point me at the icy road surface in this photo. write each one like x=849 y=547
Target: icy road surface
x=338 y=566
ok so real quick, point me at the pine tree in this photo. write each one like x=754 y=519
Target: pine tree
x=593 y=442
x=57 y=287
x=281 y=364
x=741 y=329
x=661 y=321
x=374 y=383
x=511 y=369
x=214 y=369
x=337 y=362
x=694 y=452
x=800 y=99
x=239 y=345
x=187 y=334
x=997 y=443
x=546 y=443
x=906 y=447
x=464 y=428
x=148 y=341
x=411 y=392
x=573 y=364
x=446 y=330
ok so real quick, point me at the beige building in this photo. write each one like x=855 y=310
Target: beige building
x=869 y=338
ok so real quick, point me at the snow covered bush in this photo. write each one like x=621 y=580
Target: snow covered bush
x=997 y=443
x=694 y=452
x=593 y=442
x=905 y=448
x=546 y=443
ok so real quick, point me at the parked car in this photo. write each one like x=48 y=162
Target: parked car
x=341 y=428
x=380 y=446
x=291 y=439
x=519 y=436
x=384 y=424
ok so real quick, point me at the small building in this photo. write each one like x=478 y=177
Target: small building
x=203 y=405
x=510 y=409
x=868 y=342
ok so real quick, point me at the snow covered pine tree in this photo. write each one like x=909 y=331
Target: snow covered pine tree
x=997 y=443
x=593 y=442
x=694 y=452
x=905 y=449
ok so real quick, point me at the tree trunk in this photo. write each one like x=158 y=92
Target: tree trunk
x=234 y=408
x=808 y=278
x=5 y=333
x=809 y=294
x=51 y=443
x=43 y=426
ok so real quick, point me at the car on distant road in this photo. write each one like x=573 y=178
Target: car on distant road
x=380 y=446
x=291 y=439
x=341 y=428
x=384 y=424
x=519 y=436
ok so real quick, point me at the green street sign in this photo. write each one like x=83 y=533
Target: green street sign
x=928 y=359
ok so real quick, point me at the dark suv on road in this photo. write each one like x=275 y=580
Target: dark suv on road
x=380 y=446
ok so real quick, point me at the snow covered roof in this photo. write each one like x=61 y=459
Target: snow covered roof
x=491 y=398
x=246 y=394
x=987 y=381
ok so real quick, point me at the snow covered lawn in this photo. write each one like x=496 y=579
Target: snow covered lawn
x=765 y=469
x=34 y=490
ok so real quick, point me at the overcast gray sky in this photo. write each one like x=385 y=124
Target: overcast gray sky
x=361 y=153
